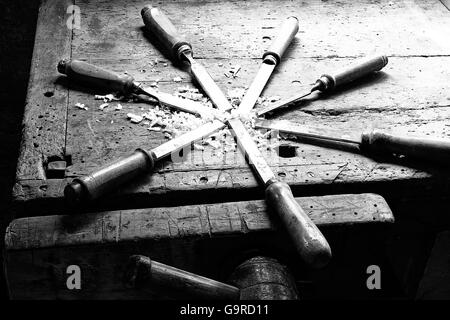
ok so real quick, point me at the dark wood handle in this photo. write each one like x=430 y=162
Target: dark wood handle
x=91 y=75
x=432 y=150
x=354 y=72
x=157 y=23
x=106 y=179
x=285 y=34
x=141 y=272
x=307 y=238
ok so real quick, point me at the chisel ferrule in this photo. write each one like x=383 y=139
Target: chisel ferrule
x=324 y=84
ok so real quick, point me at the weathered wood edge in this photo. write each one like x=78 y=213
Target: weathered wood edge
x=212 y=220
x=46 y=104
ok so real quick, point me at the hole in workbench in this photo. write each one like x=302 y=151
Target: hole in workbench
x=287 y=151
x=281 y=174
x=203 y=179
x=49 y=94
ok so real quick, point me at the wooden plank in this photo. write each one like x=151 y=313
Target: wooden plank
x=240 y=29
x=44 y=123
x=409 y=96
x=40 y=249
x=380 y=101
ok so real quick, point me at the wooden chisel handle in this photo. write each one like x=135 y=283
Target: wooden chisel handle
x=141 y=271
x=433 y=150
x=89 y=74
x=157 y=22
x=286 y=33
x=362 y=68
x=94 y=185
x=306 y=237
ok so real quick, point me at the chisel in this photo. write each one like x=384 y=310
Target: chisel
x=327 y=82
x=141 y=162
x=306 y=237
x=94 y=76
x=374 y=142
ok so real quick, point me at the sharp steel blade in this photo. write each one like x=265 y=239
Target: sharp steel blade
x=288 y=127
x=187 y=139
x=257 y=86
x=281 y=104
x=209 y=86
x=248 y=146
x=181 y=104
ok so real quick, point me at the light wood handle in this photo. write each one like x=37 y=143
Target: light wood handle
x=91 y=75
x=307 y=238
x=142 y=271
x=432 y=150
x=157 y=23
x=94 y=185
x=352 y=73
x=285 y=34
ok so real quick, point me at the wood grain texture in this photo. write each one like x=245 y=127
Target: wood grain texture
x=39 y=249
x=44 y=123
x=409 y=96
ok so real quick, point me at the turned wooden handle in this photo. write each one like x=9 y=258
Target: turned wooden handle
x=354 y=72
x=141 y=271
x=157 y=23
x=106 y=179
x=433 y=150
x=285 y=34
x=91 y=75
x=307 y=238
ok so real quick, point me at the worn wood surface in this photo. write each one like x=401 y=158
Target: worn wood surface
x=39 y=249
x=410 y=95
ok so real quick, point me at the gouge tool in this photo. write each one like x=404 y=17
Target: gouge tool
x=94 y=76
x=328 y=82
x=374 y=142
x=306 y=237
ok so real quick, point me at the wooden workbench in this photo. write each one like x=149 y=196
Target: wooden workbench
x=410 y=95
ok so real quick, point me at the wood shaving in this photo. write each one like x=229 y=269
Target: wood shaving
x=177 y=79
x=103 y=106
x=198 y=147
x=119 y=106
x=134 y=118
x=81 y=106
x=107 y=98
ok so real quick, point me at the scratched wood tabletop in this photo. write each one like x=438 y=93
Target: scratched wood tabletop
x=410 y=95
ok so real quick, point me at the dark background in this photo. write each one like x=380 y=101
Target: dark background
x=17 y=29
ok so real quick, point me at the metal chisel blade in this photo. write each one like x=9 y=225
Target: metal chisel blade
x=182 y=104
x=281 y=104
x=251 y=151
x=209 y=86
x=257 y=86
x=187 y=139
x=322 y=134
